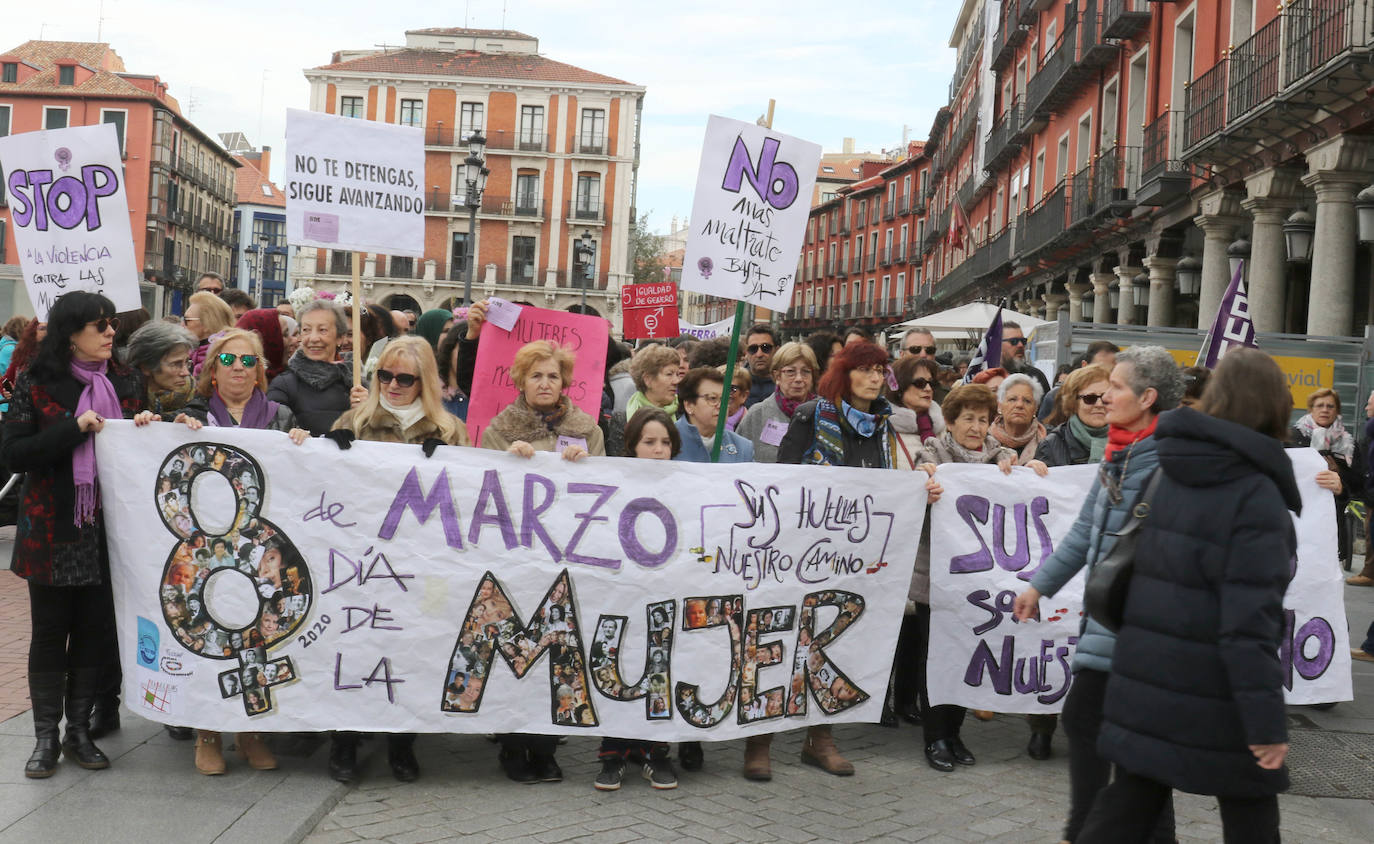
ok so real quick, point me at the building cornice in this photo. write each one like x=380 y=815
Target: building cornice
x=457 y=82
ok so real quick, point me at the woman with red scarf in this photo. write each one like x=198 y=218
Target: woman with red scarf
x=1144 y=383
x=266 y=323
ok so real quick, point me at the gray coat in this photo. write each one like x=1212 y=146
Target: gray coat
x=755 y=420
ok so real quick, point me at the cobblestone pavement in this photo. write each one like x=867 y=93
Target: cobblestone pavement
x=14 y=636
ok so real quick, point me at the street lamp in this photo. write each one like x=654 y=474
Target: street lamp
x=586 y=250
x=1300 y=226
x=1140 y=291
x=1364 y=206
x=259 y=250
x=1238 y=252
x=475 y=179
x=1189 y=274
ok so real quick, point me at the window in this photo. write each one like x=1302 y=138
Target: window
x=531 y=127
x=402 y=267
x=4 y=132
x=1061 y=158
x=471 y=120
x=527 y=193
x=118 y=118
x=9 y=72
x=340 y=263
x=588 y=203
x=350 y=106
x=66 y=74
x=458 y=266
x=592 y=138
x=412 y=113
x=522 y=260
x=54 y=117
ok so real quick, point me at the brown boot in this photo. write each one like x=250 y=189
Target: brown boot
x=209 y=754
x=819 y=750
x=252 y=748
x=1365 y=577
x=757 y=764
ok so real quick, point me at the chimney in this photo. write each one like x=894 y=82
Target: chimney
x=848 y=146
x=265 y=164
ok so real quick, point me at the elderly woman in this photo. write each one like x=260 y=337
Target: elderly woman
x=1144 y=383
x=405 y=405
x=59 y=405
x=969 y=410
x=1195 y=699
x=206 y=315
x=700 y=398
x=794 y=374
x=740 y=385
x=161 y=351
x=1016 y=428
x=656 y=370
x=1321 y=428
x=315 y=385
x=915 y=415
x=541 y=416
x=1081 y=436
x=990 y=378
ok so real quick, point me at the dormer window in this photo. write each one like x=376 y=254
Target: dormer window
x=9 y=72
x=66 y=74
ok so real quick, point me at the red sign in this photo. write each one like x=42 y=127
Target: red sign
x=650 y=310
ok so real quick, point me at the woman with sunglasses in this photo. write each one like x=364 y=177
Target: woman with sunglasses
x=404 y=405
x=794 y=377
x=60 y=403
x=206 y=315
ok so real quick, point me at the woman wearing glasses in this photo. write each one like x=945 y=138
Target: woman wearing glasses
x=206 y=315
x=700 y=395
x=764 y=424
x=59 y=404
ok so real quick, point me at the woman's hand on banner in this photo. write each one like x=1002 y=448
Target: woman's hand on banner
x=1005 y=465
x=933 y=488
x=521 y=448
x=574 y=453
x=1327 y=479
x=189 y=422
x=1039 y=467
x=144 y=417
x=298 y=435
x=90 y=422
x=1027 y=605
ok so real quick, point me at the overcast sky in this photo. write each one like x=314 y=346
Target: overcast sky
x=837 y=70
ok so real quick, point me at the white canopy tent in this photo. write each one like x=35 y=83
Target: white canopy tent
x=967 y=322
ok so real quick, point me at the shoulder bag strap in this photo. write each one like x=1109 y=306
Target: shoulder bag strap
x=1141 y=509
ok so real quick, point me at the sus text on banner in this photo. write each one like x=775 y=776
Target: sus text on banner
x=70 y=210
x=749 y=213
x=650 y=310
x=492 y=388
x=990 y=533
x=354 y=184
x=264 y=586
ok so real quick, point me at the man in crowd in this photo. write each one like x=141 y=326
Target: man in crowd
x=402 y=323
x=1014 y=355
x=1101 y=352
x=238 y=301
x=919 y=343
x=211 y=283
x=757 y=353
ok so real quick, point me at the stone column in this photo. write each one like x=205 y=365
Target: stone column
x=1053 y=302
x=1219 y=218
x=1102 y=297
x=1076 y=290
x=1161 y=272
x=1125 y=310
x=1270 y=200
x=1334 y=174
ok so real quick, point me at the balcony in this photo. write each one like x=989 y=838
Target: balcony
x=844 y=227
x=901 y=253
x=885 y=257
x=968 y=56
x=1094 y=50
x=919 y=202
x=830 y=267
x=1029 y=13
x=857 y=266
x=913 y=252
x=842 y=269
x=586 y=210
x=523 y=140
x=873 y=211
x=871 y=262
x=1061 y=72
x=965 y=195
x=1254 y=72
x=996 y=252
x=1046 y=221
x=1010 y=35
x=1124 y=18
x=520 y=206
x=590 y=145
x=889 y=209
x=903 y=205
x=1163 y=174
x=964 y=129
x=1004 y=138
x=1205 y=107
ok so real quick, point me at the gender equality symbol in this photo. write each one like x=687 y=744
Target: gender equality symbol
x=235 y=593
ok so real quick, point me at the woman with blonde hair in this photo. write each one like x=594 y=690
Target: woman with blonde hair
x=206 y=315
x=794 y=372
x=656 y=370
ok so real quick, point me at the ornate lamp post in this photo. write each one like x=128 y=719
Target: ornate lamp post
x=475 y=175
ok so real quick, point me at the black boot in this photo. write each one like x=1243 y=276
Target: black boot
x=343 y=757
x=77 y=745
x=45 y=690
x=400 y=754
x=105 y=713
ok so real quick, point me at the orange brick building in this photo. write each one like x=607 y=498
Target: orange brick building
x=562 y=148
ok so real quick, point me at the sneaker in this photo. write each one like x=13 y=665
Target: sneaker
x=545 y=768
x=612 y=772
x=659 y=772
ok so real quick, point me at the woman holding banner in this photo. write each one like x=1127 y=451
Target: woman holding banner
x=542 y=418
x=206 y=315
x=1322 y=429
x=161 y=351
x=1195 y=700
x=1016 y=428
x=1144 y=383
x=794 y=373
x=700 y=395
x=315 y=385
x=60 y=403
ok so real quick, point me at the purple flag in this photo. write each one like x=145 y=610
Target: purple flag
x=988 y=355
x=1232 y=326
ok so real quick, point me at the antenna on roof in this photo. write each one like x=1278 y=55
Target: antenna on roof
x=503 y=14
x=467 y=12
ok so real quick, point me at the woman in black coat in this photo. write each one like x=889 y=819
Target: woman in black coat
x=1195 y=699
x=316 y=384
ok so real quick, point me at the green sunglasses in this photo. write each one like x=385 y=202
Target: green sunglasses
x=249 y=361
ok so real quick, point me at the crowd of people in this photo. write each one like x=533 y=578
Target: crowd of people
x=1212 y=561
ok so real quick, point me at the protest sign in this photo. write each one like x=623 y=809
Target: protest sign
x=492 y=389
x=265 y=586
x=749 y=213
x=354 y=184
x=650 y=310
x=705 y=332
x=990 y=533
x=70 y=212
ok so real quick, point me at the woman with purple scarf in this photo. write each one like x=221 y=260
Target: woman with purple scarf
x=794 y=373
x=59 y=404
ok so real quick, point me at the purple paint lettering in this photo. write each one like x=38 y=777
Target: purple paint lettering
x=411 y=496
x=1019 y=558
x=530 y=526
x=774 y=181
x=983 y=662
x=603 y=494
x=629 y=540
x=491 y=495
x=971 y=508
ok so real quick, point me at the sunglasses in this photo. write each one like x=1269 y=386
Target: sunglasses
x=1090 y=399
x=922 y=383
x=105 y=323
x=249 y=361
x=1016 y=341
x=916 y=350
x=405 y=379
x=759 y=347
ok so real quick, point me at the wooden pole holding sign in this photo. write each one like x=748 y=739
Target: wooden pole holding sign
x=733 y=355
x=356 y=293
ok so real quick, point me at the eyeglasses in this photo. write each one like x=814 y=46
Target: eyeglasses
x=190 y=319
x=1090 y=399
x=790 y=372
x=249 y=361
x=759 y=347
x=405 y=379
x=105 y=324
x=711 y=400
x=916 y=350
x=735 y=389
x=875 y=369
x=1015 y=341
x=922 y=383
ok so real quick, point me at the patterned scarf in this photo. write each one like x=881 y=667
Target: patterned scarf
x=1333 y=438
x=164 y=402
x=97 y=394
x=827 y=447
x=789 y=406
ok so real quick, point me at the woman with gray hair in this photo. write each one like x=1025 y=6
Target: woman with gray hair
x=656 y=370
x=1144 y=383
x=161 y=351
x=1016 y=428
x=315 y=385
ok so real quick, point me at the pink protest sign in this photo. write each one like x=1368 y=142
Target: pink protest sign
x=492 y=388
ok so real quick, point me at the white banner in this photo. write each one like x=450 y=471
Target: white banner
x=70 y=214
x=354 y=184
x=721 y=328
x=990 y=533
x=475 y=591
x=749 y=213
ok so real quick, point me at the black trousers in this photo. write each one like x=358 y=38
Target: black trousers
x=633 y=749
x=937 y=722
x=533 y=745
x=73 y=627
x=1088 y=772
x=1127 y=810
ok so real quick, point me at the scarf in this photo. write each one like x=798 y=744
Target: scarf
x=827 y=445
x=407 y=415
x=258 y=413
x=163 y=402
x=959 y=454
x=266 y=322
x=98 y=394
x=788 y=406
x=639 y=400
x=925 y=426
x=320 y=375
x=733 y=420
x=552 y=418
x=1119 y=438
x=1093 y=439
x=1333 y=438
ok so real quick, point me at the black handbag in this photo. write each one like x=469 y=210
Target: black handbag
x=1104 y=596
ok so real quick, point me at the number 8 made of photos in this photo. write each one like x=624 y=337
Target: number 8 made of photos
x=206 y=561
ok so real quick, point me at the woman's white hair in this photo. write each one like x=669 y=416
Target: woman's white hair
x=1020 y=378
